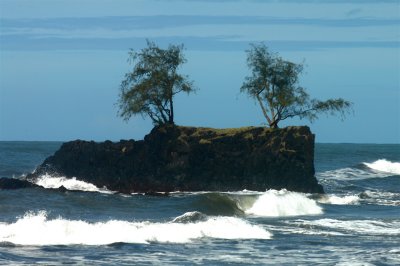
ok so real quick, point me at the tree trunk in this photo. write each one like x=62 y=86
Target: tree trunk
x=274 y=124
x=171 y=111
x=263 y=109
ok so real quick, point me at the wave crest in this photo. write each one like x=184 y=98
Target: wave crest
x=378 y=169
x=339 y=200
x=385 y=166
x=36 y=229
x=274 y=203
x=48 y=181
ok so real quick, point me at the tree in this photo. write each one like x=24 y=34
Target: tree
x=150 y=87
x=274 y=85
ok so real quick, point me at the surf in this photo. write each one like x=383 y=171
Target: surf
x=49 y=181
x=36 y=229
x=271 y=203
x=378 y=169
x=385 y=166
x=363 y=227
x=281 y=203
x=339 y=199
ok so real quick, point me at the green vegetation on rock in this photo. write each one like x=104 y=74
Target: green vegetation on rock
x=274 y=85
x=149 y=89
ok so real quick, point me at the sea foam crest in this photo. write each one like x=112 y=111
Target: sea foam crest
x=275 y=203
x=368 y=227
x=379 y=197
x=348 y=174
x=378 y=169
x=48 y=181
x=339 y=200
x=36 y=229
x=386 y=166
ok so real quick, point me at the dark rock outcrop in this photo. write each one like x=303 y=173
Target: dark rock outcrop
x=173 y=158
x=13 y=183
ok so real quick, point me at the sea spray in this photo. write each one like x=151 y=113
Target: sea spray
x=36 y=229
x=48 y=181
x=274 y=203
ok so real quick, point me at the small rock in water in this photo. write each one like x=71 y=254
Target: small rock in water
x=62 y=189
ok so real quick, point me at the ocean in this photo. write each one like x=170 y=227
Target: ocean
x=357 y=221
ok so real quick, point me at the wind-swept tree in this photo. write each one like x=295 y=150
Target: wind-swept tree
x=150 y=87
x=274 y=85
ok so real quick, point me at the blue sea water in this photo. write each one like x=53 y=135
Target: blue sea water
x=357 y=222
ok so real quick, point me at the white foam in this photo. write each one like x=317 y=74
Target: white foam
x=243 y=192
x=290 y=229
x=274 y=203
x=339 y=200
x=239 y=192
x=349 y=174
x=37 y=229
x=369 y=227
x=385 y=166
x=48 y=181
x=380 y=168
x=381 y=197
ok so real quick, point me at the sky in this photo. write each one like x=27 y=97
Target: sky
x=62 y=61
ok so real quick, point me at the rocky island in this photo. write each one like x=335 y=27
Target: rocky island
x=175 y=158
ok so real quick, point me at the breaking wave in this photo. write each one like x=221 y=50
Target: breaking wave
x=48 y=181
x=375 y=197
x=274 y=203
x=385 y=166
x=378 y=169
x=36 y=229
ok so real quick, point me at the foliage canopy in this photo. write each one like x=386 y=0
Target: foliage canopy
x=274 y=85
x=150 y=87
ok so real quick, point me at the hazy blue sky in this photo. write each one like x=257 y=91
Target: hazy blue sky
x=61 y=63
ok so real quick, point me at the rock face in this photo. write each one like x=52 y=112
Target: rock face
x=12 y=183
x=173 y=158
